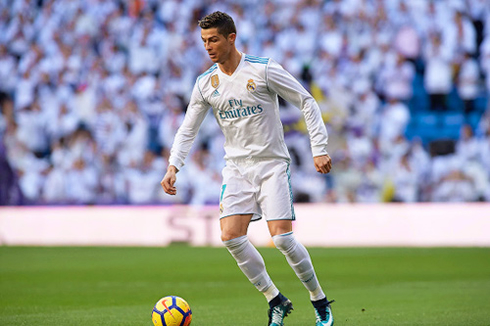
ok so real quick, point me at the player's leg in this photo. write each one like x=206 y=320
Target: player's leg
x=277 y=205
x=274 y=198
x=239 y=194
x=234 y=236
x=299 y=259
x=296 y=255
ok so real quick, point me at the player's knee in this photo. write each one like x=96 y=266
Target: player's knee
x=227 y=235
x=280 y=227
x=236 y=245
x=284 y=242
x=234 y=226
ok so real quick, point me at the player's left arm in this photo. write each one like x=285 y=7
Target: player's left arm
x=323 y=163
x=285 y=85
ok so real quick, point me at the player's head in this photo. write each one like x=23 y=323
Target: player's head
x=220 y=20
x=218 y=33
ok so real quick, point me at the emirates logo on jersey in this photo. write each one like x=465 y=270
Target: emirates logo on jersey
x=251 y=86
x=241 y=112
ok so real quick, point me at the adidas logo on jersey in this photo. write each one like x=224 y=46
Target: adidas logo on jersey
x=215 y=93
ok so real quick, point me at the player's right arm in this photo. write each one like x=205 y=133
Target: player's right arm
x=169 y=179
x=195 y=114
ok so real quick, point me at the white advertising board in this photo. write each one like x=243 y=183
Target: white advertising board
x=320 y=225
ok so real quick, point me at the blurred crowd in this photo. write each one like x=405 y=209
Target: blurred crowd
x=93 y=91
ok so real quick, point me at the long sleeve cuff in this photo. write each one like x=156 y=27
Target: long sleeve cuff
x=176 y=162
x=319 y=150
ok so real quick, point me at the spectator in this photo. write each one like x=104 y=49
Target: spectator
x=81 y=180
x=405 y=180
x=7 y=70
x=392 y=122
x=371 y=186
x=485 y=60
x=468 y=81
x=467 y=145
x=397 y=79
x=139 y=179
x=438 y=72
x=455 y=187
x=32 y=130
x=365 y=107
x=460 y=35
x=54 y=187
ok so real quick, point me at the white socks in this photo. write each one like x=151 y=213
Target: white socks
x=300 y=261
x=252 y=265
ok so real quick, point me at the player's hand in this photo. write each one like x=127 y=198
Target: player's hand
x=323 y=163
x=169 y=179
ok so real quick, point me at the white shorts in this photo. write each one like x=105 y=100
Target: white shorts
x=258 y=187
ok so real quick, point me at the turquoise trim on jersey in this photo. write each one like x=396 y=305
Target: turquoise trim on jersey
x=210 y=70
x=266 y=76
x=265 y=60
x=254 y=59
x=288 y=172
x=222 y=192
x=207 y=72
x=257 y=61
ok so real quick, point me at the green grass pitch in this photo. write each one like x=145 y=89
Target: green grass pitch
x=119 y=286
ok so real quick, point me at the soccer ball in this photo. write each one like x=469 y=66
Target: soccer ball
x=171 y=311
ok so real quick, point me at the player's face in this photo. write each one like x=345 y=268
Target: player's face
x=218 y=46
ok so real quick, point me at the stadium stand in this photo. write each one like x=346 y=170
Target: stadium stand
x=92 y=92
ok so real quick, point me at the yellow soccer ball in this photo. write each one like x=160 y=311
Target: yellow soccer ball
x=171 y=311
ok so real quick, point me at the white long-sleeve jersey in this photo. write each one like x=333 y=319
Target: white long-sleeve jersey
x=246 y=108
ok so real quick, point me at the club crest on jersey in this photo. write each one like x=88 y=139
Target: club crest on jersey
x=251 y=86
x=214 y=81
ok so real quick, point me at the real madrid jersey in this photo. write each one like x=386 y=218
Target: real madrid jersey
x=246 y=108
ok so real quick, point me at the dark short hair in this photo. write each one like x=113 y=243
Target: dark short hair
x=220 y=20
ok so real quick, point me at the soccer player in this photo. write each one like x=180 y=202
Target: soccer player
x=243 y=92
